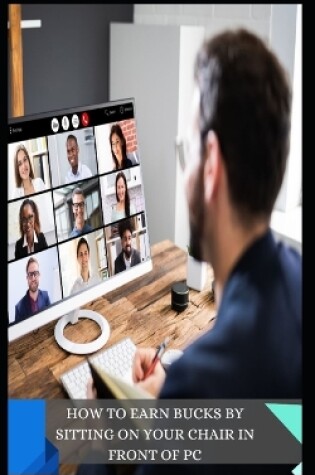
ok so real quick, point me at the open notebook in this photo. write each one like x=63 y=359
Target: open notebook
x=112 y=387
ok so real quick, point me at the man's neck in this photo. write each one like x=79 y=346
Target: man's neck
x=75 y=170
x=33 y=295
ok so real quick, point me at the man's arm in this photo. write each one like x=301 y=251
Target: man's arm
x=47 y=299
x=44 y=300
x=137 y=257
x=116 y=266
x=17 y=313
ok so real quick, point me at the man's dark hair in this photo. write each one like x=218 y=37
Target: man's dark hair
x=123 y=226
x=77 y=191
x=245 y=98
x=30 y=261
x=72 y=137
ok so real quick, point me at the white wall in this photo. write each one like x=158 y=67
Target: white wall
x=290 y=54
x=286 y=218
x=150 y=75
x=159 y=60
x=213 y=17
x=274 y=23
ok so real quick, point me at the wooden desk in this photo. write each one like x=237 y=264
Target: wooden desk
x=141 y=310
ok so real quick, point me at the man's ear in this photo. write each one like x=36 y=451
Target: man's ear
x=212 y=166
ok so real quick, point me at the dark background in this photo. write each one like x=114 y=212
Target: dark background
x=66 y=61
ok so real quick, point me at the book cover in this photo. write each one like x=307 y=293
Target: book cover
x=111 y=387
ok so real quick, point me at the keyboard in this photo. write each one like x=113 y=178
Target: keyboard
x=116 y=360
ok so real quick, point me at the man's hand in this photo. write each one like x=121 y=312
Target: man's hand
x=141 y=363
x=90 y=390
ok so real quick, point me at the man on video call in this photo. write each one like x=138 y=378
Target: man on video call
x=78 y=208
x=77 y=171
x=129 y=256
x=35 y=299
x=237 y=151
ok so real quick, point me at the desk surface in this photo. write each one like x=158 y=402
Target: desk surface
x=141 y=310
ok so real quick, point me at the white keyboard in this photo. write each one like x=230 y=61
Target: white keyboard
x=116 y=360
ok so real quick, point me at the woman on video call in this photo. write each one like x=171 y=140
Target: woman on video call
x=32 y=239
x=85 y=278
x=26 y=183
x=119 y=148
x=123 y=208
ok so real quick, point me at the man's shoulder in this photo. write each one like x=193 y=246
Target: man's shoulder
x=138 y=255
x=85 y=170
x=43 y=293
x=290 y=259
x=21 y=302
x=74 y=232
x=87 y=227
x=68 y=177
x=119 y=262
x=119 y=258
x=44 y=296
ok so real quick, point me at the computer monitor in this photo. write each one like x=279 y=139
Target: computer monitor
x=77 y=224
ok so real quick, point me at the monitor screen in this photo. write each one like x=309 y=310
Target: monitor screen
x=77 y=225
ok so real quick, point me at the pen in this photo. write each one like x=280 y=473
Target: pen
x=159 y=352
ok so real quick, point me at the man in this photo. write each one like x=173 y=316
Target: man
x=129 y=256
x=35 y=299
x=78 y=208
x=234 y=169
x=78 y=171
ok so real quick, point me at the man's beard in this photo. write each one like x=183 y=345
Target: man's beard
x=127 y=252
x=33 y=287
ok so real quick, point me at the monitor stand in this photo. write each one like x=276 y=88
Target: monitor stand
x=82 y=348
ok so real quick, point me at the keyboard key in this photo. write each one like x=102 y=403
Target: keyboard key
x=116 y=360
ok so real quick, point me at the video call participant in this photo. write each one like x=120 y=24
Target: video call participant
x=123 y=208
x=35 y=299
x=32 y=239
x=129 y=256
x=26 y=183
x=239 y=143
x=78 y=208
x=86 y=278
x=77 y=171
x=119 y=148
